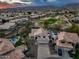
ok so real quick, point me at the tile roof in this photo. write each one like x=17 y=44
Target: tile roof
x=5 y=46
x=69 y=38
x=16 y=54
x=8 y=51
x=39 y=31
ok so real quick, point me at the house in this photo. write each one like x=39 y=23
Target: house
x=8 y=51
x=7 y=29
x=75 y=20
x=7 y=25
x=65 y=43
x=40 y=34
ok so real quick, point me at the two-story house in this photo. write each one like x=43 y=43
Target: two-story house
x=65 y=43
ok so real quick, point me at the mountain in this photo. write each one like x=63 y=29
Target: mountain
x=4 y=5
x=19 y=4
x=72 y=6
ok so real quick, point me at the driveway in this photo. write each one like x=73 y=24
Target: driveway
x=43 y=51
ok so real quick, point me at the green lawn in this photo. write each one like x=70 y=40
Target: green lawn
x=51 y=21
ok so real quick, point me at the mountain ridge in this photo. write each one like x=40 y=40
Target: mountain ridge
x=4 y=5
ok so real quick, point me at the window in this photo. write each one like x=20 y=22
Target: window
x=59 y=52
x=43 y=36
x=71 y=54
x=70 y=42
x=62 y=41
x=73 y=44
x=52 y=38
x=49 y=37
x=36 y=37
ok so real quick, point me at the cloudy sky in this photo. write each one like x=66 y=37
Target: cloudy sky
x=41 y=2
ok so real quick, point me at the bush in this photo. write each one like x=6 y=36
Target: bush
x=18 y=43
x=74 y=29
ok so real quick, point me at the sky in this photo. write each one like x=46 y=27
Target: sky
x=42 y=2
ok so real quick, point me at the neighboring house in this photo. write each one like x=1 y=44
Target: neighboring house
x=3 y=15
x=8 y=51
x=75 y=20
x=40 y=34
x=65 y=43
x=6 y=25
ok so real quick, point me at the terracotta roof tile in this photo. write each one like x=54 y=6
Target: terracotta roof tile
x=5 y=46
x=69 y=38
x=8 y=51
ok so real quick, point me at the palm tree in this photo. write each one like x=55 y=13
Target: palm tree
x=46 y=24
x=26 y=34
x=26 y=39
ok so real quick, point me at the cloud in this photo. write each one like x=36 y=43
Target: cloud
x=10 y=1
x=18 y=1
x=51 y=0
x=27 y=0
x=42 y=2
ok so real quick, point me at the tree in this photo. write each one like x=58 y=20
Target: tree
x=74 y=29
x=46 y=24
x=2 y=34
x=76 y=51
x=26 y=34
x=57 y=27
x=29 y=13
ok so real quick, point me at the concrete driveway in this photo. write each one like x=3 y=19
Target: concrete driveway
x=44 y=53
